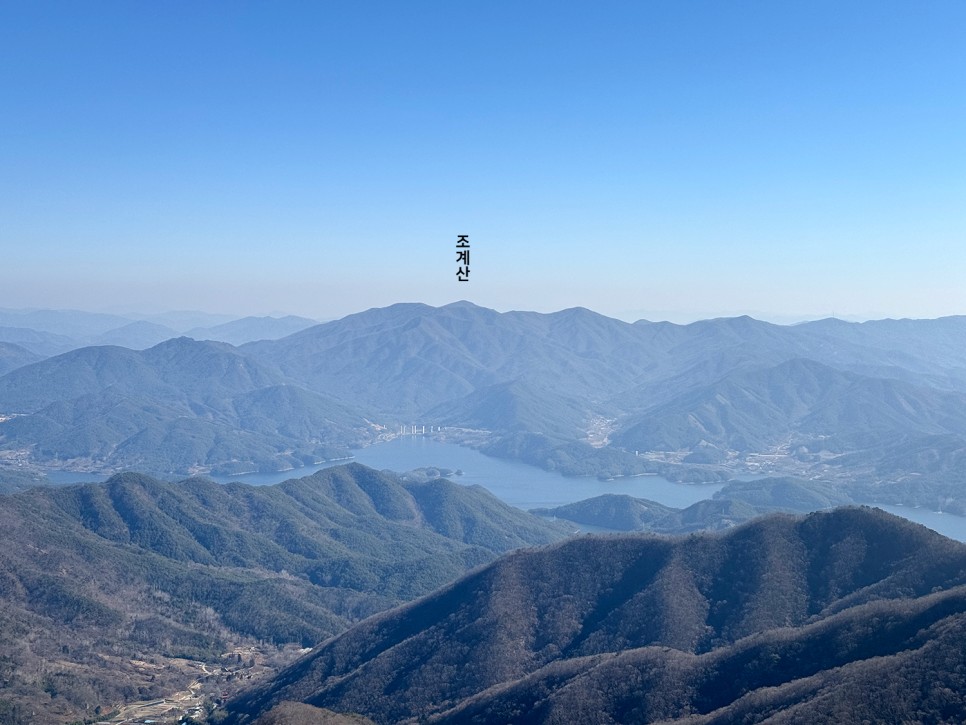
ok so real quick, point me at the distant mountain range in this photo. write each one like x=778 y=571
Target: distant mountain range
x=177 y=407
x=247 y=329
x=863 y=404
x=847 y=616
x=112 y=583
x=797 y=400
x=13 y=356
x=51 y=332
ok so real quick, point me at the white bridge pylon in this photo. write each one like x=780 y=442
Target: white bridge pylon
x=416 y=430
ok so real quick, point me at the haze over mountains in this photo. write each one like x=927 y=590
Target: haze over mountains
x=50 y=332
x=859 y=403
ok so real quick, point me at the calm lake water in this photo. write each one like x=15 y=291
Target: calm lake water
x=521 y=485
x=514 y=483
x=528 y=487
x=949 y=525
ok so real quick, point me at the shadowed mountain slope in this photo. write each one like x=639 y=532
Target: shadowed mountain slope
x=684 y=626
x=297 y=713
x=880 y=662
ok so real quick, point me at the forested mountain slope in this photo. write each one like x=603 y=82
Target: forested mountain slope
x=95 y=578
x=644 y=629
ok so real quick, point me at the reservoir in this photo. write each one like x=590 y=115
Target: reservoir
x=515 y=483
x=522 y=485
x=949 y=525
x=525 y=486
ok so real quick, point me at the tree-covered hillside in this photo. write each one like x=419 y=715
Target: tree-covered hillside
x=96 y=578
x=755 y=622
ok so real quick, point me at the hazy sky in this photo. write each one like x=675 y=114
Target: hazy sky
x=670 y=159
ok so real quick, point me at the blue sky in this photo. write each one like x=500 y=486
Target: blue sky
x=670 y=160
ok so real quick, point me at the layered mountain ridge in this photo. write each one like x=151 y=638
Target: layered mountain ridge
x=783 y=616
x=571 y=391
x=180 y=406
x=107 y=588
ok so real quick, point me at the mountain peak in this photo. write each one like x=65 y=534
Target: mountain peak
x=462 y=305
